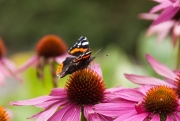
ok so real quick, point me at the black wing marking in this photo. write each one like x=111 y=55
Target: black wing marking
x=81 y=46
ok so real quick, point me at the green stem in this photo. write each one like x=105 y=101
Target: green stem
x=178 y=55
x=83 y=118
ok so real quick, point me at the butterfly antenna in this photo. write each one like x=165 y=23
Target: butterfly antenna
x=97 y=51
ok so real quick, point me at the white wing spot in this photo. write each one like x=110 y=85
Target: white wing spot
x=85 y=43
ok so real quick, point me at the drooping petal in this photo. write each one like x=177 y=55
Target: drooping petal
x=32 y=61
x=160 y=68
x=166 y=15
x=143 y=80
x=34 y=101
x=139 y=117
x=11 y=67
x=156 y=117
x=4 y=70
x=9 y=64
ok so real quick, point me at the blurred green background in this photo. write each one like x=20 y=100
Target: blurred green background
x=103 y=22
x=113 y=25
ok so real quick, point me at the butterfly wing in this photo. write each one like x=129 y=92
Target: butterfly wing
x=81 y=58
x=81 y=46
x=63 y=67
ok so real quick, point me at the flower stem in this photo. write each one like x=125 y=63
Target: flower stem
x=53 y=73
x=83 y=118
x=178 y=56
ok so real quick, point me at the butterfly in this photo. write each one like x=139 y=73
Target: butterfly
x=80 y=58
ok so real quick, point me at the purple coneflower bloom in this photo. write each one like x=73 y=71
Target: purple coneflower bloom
x=84 y=89
x=158 y=103
x=172 y=79
x=7 y=67
x=49 y=49
x=168 y=21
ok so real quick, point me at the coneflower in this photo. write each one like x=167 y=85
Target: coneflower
x=50 y=49
x=84 y=89
x=7 y=67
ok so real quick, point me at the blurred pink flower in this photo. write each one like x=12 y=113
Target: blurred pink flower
x=83 y=90
x=172 y=79
x=144 y=104
x=7 y=67
x=49 y=49
x=168 y=21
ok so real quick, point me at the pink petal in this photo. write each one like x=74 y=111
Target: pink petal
x=161 y=6
x=177 y=117
x=160 y=29
x=139 y=117
x=90 y=114
x=34 y=101
x=162 y=34
x=130 y=94
x=145 y=88
x=156 y=117
x=73 y=114
x=169 y=118
x=160 y=68
x=4 y=70
x=178 y=108
x=148 y=16
x=113 y=109
x=159 y=1
x=126 y=115
x=59 y=115
x=2 y=79
x=177 y=3
x=58 y=92
x=176 y=30
x=10 y=68
x=166 y=15
x=96 y=68
x=32 y=61
x=146 y=80
x=47 y=104
x=61 y=58
x=44 y=116
x=9 y=64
